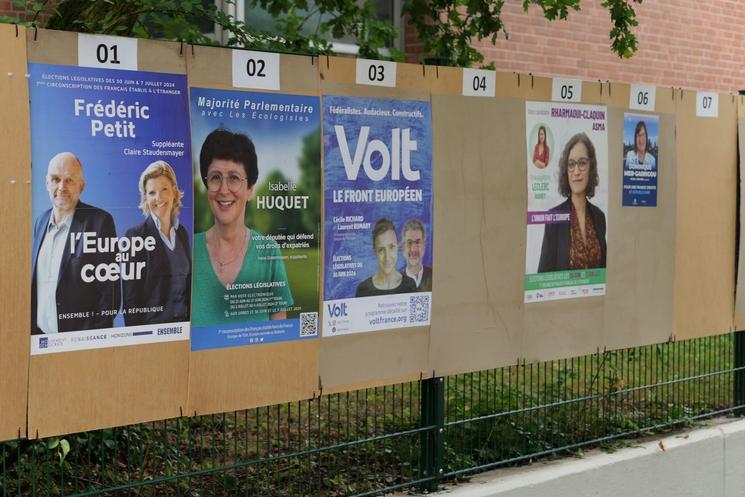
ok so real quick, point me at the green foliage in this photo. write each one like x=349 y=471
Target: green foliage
x=448 y=27
x=185 y=20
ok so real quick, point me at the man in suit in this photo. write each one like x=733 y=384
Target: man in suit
x=414 y=240
x=67 y=293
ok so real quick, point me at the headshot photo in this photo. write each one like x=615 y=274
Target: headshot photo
x=641 y=148
x=579 y=243
x=387 y=279
x=166 y=279
x=230 y=254
x=414 y=247
x=541 y=150
x=60 y=299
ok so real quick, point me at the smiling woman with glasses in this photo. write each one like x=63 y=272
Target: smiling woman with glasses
x=239 y=274
x=580 y=242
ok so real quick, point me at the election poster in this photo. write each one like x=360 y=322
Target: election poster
x=257 y=181
x=640 y=148
x=567 y=151
x=378 y=214
x=112 y=208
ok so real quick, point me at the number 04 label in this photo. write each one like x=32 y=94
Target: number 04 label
x=376 y=72
x=479 y=83
x=258 y=70
x=111 y=52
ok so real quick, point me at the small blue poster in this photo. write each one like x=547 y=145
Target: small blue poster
x=640 y=148
x=378 y=214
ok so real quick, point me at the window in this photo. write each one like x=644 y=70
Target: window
x=258 y=18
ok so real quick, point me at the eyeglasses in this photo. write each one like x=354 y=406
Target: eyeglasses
x=580 y=164
x=214 y=182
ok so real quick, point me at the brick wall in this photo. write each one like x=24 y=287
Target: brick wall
x=683 y=43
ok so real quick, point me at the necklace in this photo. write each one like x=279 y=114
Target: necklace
x=222 y=264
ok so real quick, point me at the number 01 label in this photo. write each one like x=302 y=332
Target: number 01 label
x=112 y=52
x=376 y=72
x=707 y=104
x=258 y=70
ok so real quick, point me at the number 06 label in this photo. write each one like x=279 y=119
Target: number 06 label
x=257 y=70
x=111 y=52
x=376 y=72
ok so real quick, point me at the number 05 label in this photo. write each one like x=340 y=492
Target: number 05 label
x=258 y=70
x=376 y=72
x=112 y=52
x=566 y=90
x=707 y=104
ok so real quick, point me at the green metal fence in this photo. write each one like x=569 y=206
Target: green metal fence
x=412 y=435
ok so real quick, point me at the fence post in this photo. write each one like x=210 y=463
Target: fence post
x=433 y=440
x=739 y=396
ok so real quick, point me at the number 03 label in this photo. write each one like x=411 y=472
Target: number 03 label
x=376 y=72
x=112 y=52
x=258 y=70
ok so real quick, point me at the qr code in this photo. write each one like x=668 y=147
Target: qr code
x=308 y=324
x=419 y=309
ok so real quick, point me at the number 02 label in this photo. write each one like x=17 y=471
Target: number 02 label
x=707 y=104
x=112 y=52
x=258 y=70
x=376 y=72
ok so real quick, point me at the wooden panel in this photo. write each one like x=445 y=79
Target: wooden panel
x=15 y=252
x=91 y=389
x=705 y=233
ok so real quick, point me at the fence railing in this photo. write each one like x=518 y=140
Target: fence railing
x=377 y=440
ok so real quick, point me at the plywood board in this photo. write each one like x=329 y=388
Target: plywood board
x=641 y=241
x=15 y=254
x=705 y=225
x=382 y=357
x=253 y=375
x=480 y=215
x=117 y=386
x=740 y=293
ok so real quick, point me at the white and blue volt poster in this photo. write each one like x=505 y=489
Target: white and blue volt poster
x=378 y=214
x=112 y=208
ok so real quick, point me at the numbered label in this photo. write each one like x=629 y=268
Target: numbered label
x=642 y=97
x=257 y=70
x=376 y=72
x=479 y=83
x=112 y=52
x=707 y=104
x=566 y=90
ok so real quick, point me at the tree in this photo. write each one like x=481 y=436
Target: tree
x=445 y=27
x=448 y=27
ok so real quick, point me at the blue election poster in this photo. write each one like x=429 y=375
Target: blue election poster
x=112 y=208
x=378 y=214
x=640 y=147
x=257 y=190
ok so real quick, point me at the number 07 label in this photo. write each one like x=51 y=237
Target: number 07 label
x=707 y=104
x=257 y=70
